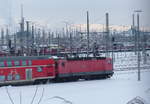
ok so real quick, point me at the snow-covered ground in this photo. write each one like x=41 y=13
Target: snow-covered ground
x=119 y=89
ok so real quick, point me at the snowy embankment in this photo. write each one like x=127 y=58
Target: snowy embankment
x=119 y=89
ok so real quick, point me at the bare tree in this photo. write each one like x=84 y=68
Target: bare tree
x=10 y=98
x=41 y=97
x=61 y=98
x=34 y=95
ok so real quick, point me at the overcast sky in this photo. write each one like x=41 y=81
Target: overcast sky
x=55 y=12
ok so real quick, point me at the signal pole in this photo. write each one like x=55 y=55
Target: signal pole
x=2 y=38
x=107 y=35
x=33 y=39
x=27 y=34
x=21 y=30
x=38 y=42
x=58 y=43
x=88 y=34
x=138 y=40
x=71 y=42
x=144 y=41
x=134 y=34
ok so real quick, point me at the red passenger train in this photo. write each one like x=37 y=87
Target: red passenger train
x=40 y=69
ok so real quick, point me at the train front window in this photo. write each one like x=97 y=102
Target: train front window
x=2 y=64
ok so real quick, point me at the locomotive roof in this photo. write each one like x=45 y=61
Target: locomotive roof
x=13 y=58
x=86 y=58
x=24 y=58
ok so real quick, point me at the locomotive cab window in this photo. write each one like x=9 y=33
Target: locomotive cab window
x=39 y=69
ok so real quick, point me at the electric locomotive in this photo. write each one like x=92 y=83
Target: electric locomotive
x=41 y=69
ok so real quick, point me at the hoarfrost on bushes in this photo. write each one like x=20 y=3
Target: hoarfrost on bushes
x=137 y=100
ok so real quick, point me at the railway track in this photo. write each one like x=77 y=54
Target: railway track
x=131 y=70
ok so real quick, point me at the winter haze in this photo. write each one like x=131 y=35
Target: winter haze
x=55 y=12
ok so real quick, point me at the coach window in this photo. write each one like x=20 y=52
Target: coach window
x=9 y=77
x=2 y=64
x=39 y=69
x=9 y=63
x=29 y=62
x=17 y=77
x=17 y=63
x=24 y=63
x=2 y=77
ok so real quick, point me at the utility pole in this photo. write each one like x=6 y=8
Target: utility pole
x=38 y=42
x=2 y=37
x=58 y=43
x=138 y=40
x=21 y=30
x=15 y=43
x=27 y=37
x=107 y=35
x=88 y=47
x=134 y=34
x=144 y=47
x=133 y=22
x=112 y=45
x=43 y=41
x=49 y=38
x=32 y=33
x=10 y=14
x=138 y=44
x=71 y=42
x=52 y=38
x=7 y=36
x=8 y=40
x=49 y=41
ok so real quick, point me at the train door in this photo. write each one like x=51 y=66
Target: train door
x=28 y=74
x=56 y=68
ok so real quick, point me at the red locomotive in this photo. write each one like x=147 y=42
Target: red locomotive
x=23 y=70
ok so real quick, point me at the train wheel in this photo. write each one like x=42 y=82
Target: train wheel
x=44 y=81
x=88 y=77
x=109 y=76
x=36 y=82
x=74 y=79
